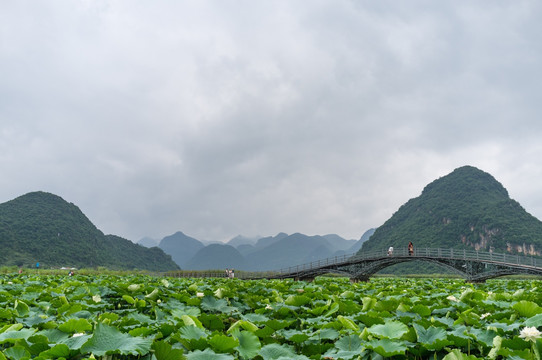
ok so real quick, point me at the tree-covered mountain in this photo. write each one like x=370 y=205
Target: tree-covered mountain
x=467 y=208
x=43 y=228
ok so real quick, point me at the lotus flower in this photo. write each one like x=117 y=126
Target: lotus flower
x=530 y=333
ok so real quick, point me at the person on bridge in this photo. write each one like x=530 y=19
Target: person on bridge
x=390 y=251
x=410 y=248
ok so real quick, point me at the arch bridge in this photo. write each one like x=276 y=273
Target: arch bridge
x=474 y=266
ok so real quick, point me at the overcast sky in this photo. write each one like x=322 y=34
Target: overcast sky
x=219 y=118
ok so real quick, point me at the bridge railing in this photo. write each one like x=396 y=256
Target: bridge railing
x=439 y=253
x=459 y=254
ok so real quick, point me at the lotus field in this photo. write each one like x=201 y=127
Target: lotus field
x=143 y=317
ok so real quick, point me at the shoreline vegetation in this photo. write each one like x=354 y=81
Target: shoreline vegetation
x=216 y=273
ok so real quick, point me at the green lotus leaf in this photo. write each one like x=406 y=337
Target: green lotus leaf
x=223 y=343
x=190 y=320
x=153 y=295
x=128 y=299
x=347 y=323
x=389 y=330
x=459 y=335
x=164 y=351
x=456 y=354
x=348 y=307
x=432 y=338
x=483 y=336
x=134 y=287
x=192 y=332
x=276 y=351
x=109 y=340
x=343 y=354
x=108 y=317
x=497 y=343
x=57 y=351
x=34 y=320
x=264 y=332
x=207 y=354
x=386 y=347
x=278 y=324
x=137 y=318
x=185 y=310
x=332 y=309
x=249 y=344
x=318 y=310
x=369 y=320
x=327 y=334
x=255 y=318
x=212 y=322
x=21 y=308
x=17 y=353
x=368 y=303
x=422 y=310
x=386 y=305
x=192 y=337
x=245 y=324
x=75 y=342
x=75 y=326
x=535 y=321
x=54 y=335
x=349 y=343
x=527 y=308
x=210 y=303
x=295 y=336
x=297 y=300
x=13 y=336
x=141 y=331
x=6 y=314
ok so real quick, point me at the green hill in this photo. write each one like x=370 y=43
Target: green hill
x=42 y=227
x=466 y=209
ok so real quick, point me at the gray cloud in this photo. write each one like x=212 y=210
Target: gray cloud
x=220 y=118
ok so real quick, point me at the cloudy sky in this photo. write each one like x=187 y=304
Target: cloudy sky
x=219 y=118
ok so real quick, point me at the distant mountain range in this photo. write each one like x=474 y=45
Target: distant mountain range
x=256 y=254
x=466 y=209
x=42 y=228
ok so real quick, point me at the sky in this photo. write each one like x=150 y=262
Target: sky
x=220 y=118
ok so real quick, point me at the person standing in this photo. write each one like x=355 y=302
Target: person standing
x=410 y=248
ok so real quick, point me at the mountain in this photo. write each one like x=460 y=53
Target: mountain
x=337 y=243
x=217 y=257
x=357 y=244
x=43 y=228
x=242 y=240
x=181 y=247
x=288 y=251
x=466 y=209
x=148 y=242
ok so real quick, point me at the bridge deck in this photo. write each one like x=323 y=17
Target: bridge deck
x=473 y=265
